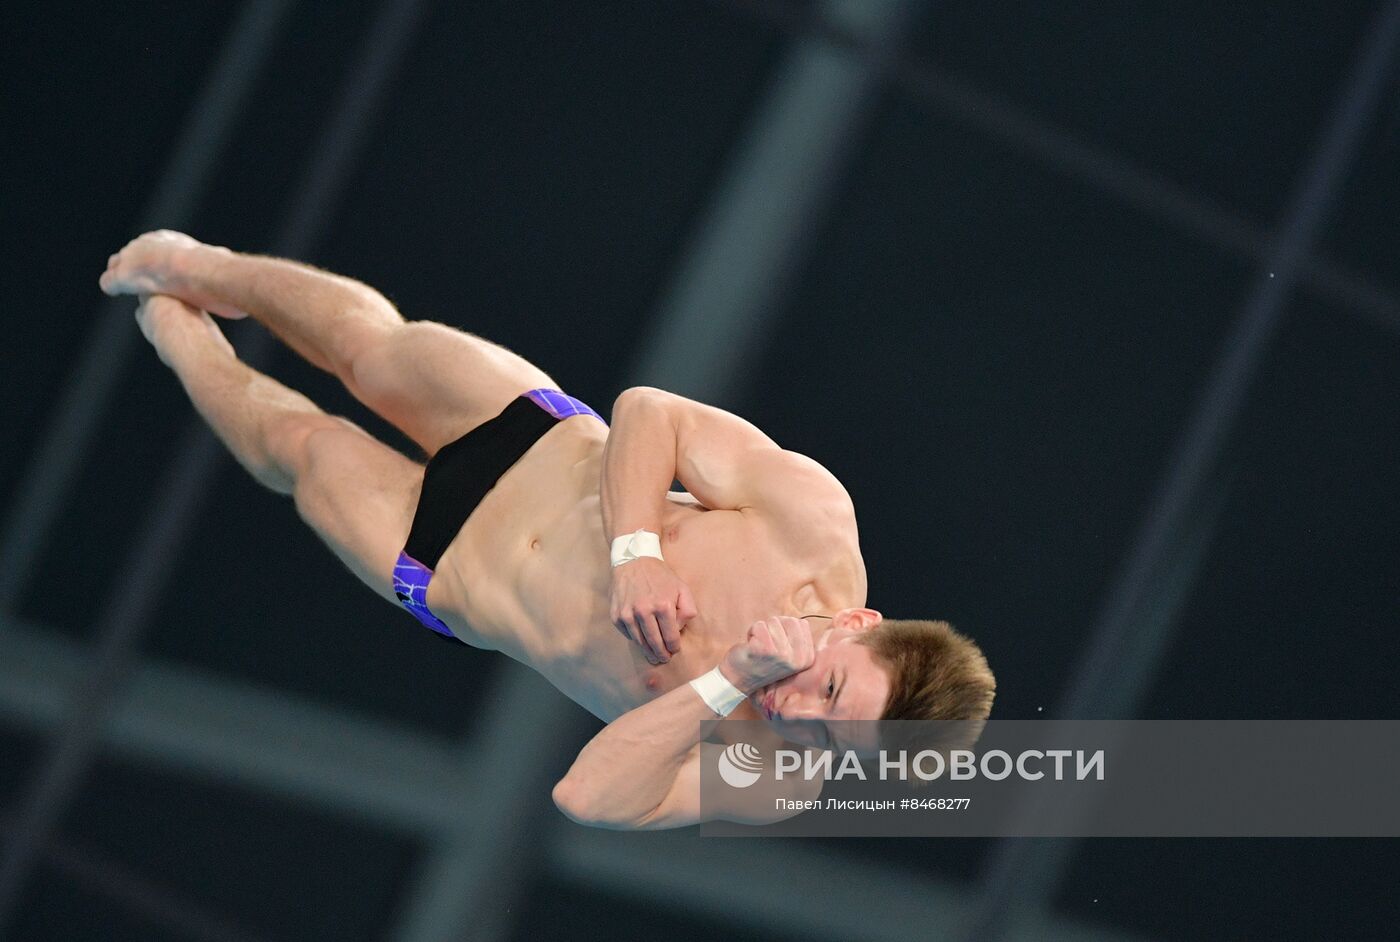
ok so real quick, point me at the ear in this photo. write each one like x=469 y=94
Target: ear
x=859 y=619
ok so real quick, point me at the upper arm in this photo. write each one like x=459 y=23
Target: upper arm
x=728 y=463
x=757 y=804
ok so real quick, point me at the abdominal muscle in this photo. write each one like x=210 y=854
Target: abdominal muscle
x=528 y=575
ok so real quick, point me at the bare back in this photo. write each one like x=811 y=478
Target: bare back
x=528 y=575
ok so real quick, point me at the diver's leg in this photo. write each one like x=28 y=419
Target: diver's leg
x=434 y=382
x=355 y=492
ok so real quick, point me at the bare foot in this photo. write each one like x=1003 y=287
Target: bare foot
x=164 y=262
x=175 y=328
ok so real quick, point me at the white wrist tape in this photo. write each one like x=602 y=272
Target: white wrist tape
x=632 y=546
x=717 y=692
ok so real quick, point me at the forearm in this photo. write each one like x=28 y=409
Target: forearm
x=639 y=464
x=316 y=313
x=631 y=766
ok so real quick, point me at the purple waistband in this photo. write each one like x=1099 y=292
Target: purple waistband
x=561 y=405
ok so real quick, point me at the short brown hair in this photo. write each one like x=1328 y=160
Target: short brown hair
x=935 y=673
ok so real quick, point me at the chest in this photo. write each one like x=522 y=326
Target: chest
x=740 y=570
x=733 y=560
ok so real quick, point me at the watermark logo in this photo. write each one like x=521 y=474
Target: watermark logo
x=1065 y=778
x=739 y=765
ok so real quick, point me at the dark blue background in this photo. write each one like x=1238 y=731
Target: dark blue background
x=996 y=358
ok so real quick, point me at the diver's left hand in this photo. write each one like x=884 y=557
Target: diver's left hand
x=650 y=604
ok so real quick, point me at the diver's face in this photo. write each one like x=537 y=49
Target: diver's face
x=844 y=683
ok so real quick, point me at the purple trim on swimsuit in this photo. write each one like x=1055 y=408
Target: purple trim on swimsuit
x=411 y=577
x=561 y=405
x=411 y=580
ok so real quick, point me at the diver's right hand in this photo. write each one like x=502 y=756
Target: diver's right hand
x=776 y=647
x=650 y=605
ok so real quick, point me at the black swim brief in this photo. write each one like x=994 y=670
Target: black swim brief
x=459 y=476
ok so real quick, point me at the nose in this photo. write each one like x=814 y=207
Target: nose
x=797 y=707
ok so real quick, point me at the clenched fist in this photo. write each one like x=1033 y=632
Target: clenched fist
x=650 y=604
x=776 y=647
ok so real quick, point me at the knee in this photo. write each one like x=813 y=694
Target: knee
x=364 y=327
x=299 y=442
x=318 y=451
x=378 y=359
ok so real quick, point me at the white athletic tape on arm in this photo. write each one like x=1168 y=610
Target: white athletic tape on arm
x=717 y=692
x=632 y=546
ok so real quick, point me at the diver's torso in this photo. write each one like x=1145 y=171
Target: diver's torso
x=529 y=575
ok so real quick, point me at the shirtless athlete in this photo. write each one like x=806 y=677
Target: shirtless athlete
x=503 y=541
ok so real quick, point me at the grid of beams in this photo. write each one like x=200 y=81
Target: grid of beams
x=398 y=777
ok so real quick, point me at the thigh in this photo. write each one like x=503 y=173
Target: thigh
x=359 y=495
x=437 y=383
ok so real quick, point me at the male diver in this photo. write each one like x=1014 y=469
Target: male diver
x=539 y=530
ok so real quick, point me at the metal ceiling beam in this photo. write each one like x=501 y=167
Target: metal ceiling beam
x=187 y=720
x=719 y=307
x=474 y=873
x=1125 y=648
x=161 y=720
x=722 y=302
x=60 y=453
x=160 y=905
x=125 y=616
x=772 y=884
x=1145 y=190
x=183 y=721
